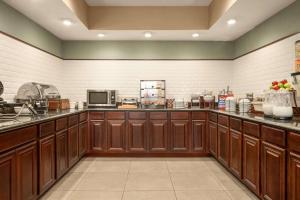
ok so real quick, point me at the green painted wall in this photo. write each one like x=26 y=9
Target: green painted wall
x=146 y=50
x=282 y=24
x=16 y=24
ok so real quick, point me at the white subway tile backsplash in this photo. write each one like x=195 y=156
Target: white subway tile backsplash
x=21 y=63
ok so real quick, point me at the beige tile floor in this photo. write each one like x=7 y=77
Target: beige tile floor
x=148 y=179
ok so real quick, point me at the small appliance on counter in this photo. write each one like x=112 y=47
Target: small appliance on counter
x=1 y=92
x=101 y=98
x=195 y=100
x=37 y=95
x=153 y=93
x=129 y=103
x=179 y=103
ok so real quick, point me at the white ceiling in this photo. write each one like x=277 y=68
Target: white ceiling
x=148 y=2
x=249 y=13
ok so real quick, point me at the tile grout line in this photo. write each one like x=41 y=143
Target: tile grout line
x=171 y=180
x=130 y=161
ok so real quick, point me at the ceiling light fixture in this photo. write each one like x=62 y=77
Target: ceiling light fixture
x=148 y=35
x=101 y=35
x=67 y=22
x=231 y=22
x=196 y=35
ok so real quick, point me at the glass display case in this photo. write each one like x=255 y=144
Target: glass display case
x=153 y=93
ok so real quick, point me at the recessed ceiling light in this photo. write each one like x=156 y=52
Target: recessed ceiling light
x=195 y=35
x=148 y=35
x=67 y=22
x=231 y=22
x=101 y=35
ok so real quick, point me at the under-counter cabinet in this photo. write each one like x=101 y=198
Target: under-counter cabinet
x=179 y=131
x=198 y=132
x=223 y=140
x=235 y=147
x=116 y=132
x=8 y=176
x=82 y=138
x=26 y=176
x=251 y=156
x=61 y=153
x=158 y=132
x=213 y=138
x=46 y=163
x=137 y=132
x=97 y=135
x=293 y=181
x=73 y=145
x=273 y=163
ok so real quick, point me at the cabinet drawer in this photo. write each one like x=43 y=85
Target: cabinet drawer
x=73 y=120
x=47 y=128
x=137 y=115
x=96 y=115
x=82 y=117
x=294 y=141
x=179 y=115
x=199 y=115
x=115 y=115
x=158 y=115
x=14 y=138
x=61 y=124
x=213 y=117
x=251 y=128
x=273 y=135
x=236 y=124
x=223 y=120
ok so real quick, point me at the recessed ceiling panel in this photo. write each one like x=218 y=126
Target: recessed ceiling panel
x=148 y=2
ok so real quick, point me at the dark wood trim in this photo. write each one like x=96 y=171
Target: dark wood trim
x=22 y=41
x=154 y=59
x=147 y=154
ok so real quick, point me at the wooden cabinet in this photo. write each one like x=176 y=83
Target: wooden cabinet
x=73 y=156
x=116 y=136
x=61 y=153
x=26 y=162
x=8 y=176
x=273 y=172
x=46 y=163
x=251 y=163
x=158 y=135
x=223 y=145
x=235 y=153
x=179 y=135
x=198 y=135
x=213 y=138
x=137 y=136
x=97 y=135
x=82 y=138
x=293 y=176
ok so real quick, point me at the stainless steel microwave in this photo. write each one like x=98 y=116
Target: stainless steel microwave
x=101 y=98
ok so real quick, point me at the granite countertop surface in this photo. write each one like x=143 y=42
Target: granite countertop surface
x=22 y=121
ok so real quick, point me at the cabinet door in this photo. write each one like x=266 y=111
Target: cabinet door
x=82 y=140
x=73 y=145
x=116 y=135
x=251 y=156
x=235 y=153
x=46 y=163
x=26 y=159
x=223 y=145
x=137 y=136
x=61 y=153
x=273 y=171
x=158 y=135
x=8 y=176
x=179 y=135
x=97 y=135
x=293 y=176
x=198 y=135
x=213 y=138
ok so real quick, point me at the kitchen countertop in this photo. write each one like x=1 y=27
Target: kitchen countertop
x=22 y=121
